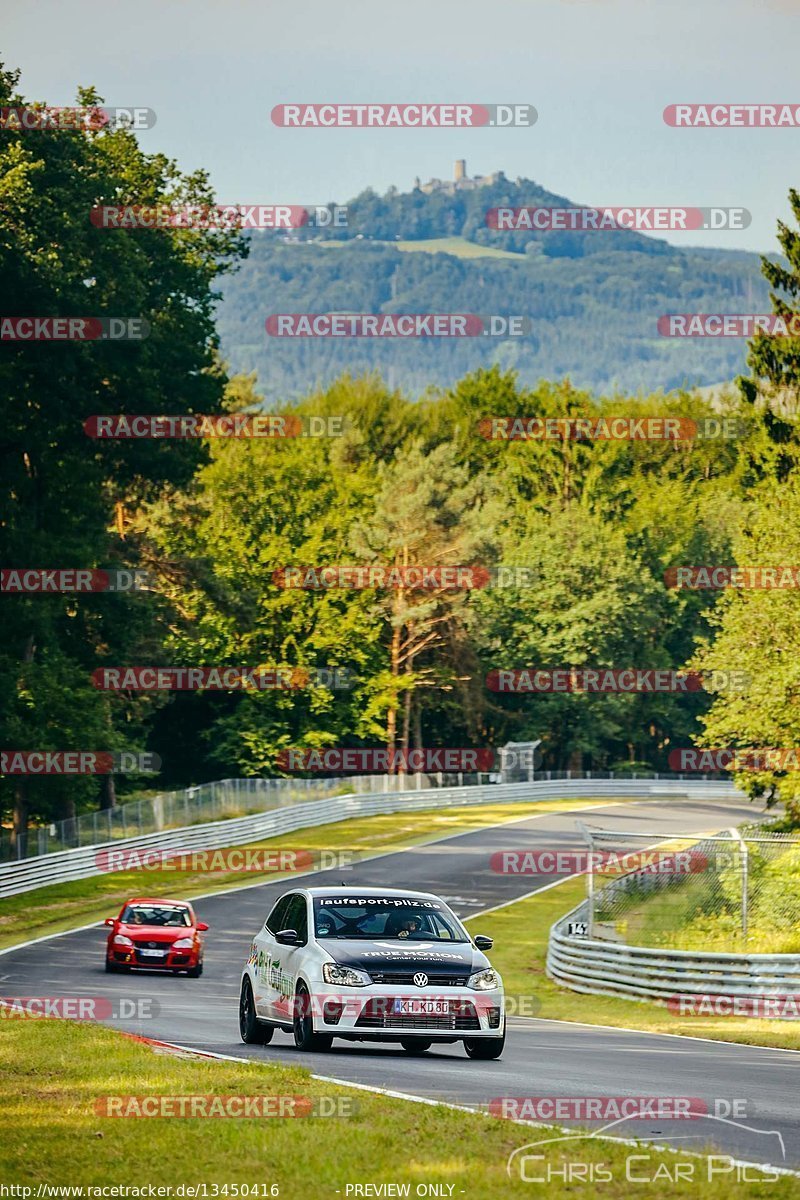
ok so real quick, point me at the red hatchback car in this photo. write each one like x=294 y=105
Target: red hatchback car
x=157 y=934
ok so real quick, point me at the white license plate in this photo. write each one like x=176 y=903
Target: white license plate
x=422 y=1008
x=153 y=953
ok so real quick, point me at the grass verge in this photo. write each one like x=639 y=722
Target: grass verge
x=54 y=1072
x=65 y=906
x=706 y=914
x=521 y=931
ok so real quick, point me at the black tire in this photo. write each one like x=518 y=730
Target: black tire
x=303 y=1024
x=415 y=1045
x=251 y=1030
x=196 y=972
x=485 y=1048
x=111 y=967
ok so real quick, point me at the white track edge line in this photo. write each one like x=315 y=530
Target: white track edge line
x=477 y=1112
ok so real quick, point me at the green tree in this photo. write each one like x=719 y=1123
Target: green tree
x=757 y=631
x=427 y=512
x=67 y=500
x=773 y=386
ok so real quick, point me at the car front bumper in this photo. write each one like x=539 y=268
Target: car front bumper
x=373 y=1013
x=173 y=960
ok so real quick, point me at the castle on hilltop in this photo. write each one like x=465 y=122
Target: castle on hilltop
x=460 y=182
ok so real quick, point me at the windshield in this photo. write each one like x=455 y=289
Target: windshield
x=406 y=918
x=156 y=914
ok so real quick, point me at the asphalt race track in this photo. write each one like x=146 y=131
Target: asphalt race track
x=541 y=1058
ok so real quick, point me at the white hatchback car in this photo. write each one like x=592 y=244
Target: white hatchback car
x=371 y=964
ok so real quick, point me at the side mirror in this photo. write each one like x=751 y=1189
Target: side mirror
x=201 y=927
x=482 y=942
x=109 y=921
x=287 y=937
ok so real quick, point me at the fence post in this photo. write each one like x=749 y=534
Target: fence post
x=745 y=872
x=586 y=833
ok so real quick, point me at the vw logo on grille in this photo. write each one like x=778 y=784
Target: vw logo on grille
x=152 y=945
x=420 y=979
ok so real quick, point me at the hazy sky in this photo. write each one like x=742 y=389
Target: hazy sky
x=599 y=73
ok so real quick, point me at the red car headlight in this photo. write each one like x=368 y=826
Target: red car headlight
x=183 y=944
x=121 y=940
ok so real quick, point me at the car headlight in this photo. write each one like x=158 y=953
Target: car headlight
x=121 y=940
x=183 y=944
x=484 y=981
x=344 y=976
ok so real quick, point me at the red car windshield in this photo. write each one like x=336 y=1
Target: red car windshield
x=156 y=914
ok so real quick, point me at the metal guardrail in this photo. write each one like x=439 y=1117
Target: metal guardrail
x=226 y=798
x=86 y=861
x=223 y=798
x=616 y=969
